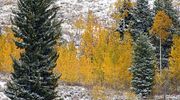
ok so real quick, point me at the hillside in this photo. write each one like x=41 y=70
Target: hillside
x=70 y=10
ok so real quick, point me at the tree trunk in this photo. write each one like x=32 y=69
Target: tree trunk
x=165 y=89
x=160 y=57
x=166 y=82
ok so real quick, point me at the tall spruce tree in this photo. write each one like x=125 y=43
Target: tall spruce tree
x=142 y=18
x=35 y=26
x=143 y=69
x=167 y=6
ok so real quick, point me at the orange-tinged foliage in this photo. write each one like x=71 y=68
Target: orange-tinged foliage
x=110 y=58
x=89 y=36
x=174 y=62
x=104 y=59
x=162 y=23
x=7 y=48
x=67 y=63
x=120 y=58
x=86 y=71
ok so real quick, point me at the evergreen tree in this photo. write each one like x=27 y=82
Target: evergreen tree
x=35 y=25
x=142 y=19
x=143 y=66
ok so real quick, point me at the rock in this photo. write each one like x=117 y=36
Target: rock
x=3 y=96
x=169 y=97
x=73 y=93
x=2 y=86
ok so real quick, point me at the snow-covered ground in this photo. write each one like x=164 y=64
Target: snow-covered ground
x=82 y=93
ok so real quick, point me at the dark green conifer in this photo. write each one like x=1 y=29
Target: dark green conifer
x=142 y=18
x=143 y=69
x=35 y=25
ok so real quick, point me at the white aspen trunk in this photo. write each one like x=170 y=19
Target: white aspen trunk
x=160 y=57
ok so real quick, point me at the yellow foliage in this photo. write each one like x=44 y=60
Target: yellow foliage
x=174 y=62
x=162 y=23
x=89 y=36
x=68 y=64
x=7 y=48
x=104 y=59
x=88 y=48
x=162 y=81
x=110 y=58
x=79 y=23
x=86 y=71
x=120 y=60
